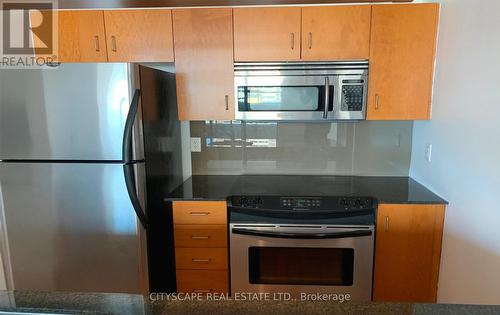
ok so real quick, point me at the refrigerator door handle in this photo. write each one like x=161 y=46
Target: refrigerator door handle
x=128 y=171
x=129 y=129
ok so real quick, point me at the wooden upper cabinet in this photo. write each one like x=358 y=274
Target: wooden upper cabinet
x=139 y=35
x=266 y=34
x=203 y=40
x=407 y=252
x=336 y=32
x=81 y=36
x=402 y=53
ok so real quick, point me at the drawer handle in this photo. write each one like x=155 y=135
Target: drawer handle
x=197 y=260
x=199 y=213
x=194 y=237
x=201 y=291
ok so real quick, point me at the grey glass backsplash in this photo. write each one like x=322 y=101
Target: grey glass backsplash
x=363 y=148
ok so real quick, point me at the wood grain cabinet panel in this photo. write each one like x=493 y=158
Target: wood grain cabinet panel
x=200 y=212
x=200 y=235
x=202 y=281
x=336 y=32
x=201 y=253
x=201 y=258
x=407 y=252
x=81 y=36
x=203 y=40
x=267 y=34
x=139 y=35
x=402 y=54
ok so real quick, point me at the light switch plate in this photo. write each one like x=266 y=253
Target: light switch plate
x=195 y=144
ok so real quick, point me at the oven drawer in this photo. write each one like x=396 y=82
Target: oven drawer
x=200 y=212
x=202 y=281
x=201 y=258
x=200 y=235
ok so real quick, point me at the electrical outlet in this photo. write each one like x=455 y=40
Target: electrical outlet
x=428 y=152
x=195 y=144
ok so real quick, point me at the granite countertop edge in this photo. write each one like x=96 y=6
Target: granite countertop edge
x=390 y=202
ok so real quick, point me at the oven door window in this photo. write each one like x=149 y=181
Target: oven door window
x=281 y=98
x=301 y=266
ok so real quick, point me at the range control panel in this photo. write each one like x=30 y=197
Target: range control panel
x=294 y=202
x=303 y=203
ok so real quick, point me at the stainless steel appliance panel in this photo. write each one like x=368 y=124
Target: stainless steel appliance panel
x=240 y=245
x=71 y=227
x=330 y=78
x=74 y=112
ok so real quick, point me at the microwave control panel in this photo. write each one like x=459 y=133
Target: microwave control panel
x=352 y=97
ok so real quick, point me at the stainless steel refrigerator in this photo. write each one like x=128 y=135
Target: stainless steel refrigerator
x=73 y=178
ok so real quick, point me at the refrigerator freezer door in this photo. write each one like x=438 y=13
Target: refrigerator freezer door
x=71 y=227
x=74 y=112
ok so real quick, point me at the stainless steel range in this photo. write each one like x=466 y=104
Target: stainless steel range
x=302 y=245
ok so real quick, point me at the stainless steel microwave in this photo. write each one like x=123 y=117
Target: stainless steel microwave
x=301 y=91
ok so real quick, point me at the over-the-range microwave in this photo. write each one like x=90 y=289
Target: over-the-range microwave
x=303 y=91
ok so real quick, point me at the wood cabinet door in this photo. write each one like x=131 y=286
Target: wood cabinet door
x=336 y=32
x=407 y=252
x=81 y=36
x=402 y=53
x=139 y=35
x=266 y=34
x=203 y=40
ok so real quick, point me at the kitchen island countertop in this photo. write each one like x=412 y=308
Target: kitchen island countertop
x=124 y=304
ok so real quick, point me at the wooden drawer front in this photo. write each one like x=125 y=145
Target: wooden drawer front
x=200 y=212
x=200 y=235
x=202 y=281
x=201 y=258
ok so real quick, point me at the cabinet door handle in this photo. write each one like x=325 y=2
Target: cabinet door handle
x=197 y=260
x=292 y=41
x=386 y=225
x=376 y=101
x=194 y=237
x=226 y=100
x=199 y=213
x=113 y=43
x=310 y=40
x=327 y=97
x=96 y=43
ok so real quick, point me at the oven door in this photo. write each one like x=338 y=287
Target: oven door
x=284 y=97
x=302 y=259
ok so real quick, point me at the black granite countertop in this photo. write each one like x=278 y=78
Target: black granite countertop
x=124 y=304
x=395 y=190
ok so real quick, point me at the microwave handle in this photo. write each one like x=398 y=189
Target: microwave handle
x=343 y=234
x=327 y=97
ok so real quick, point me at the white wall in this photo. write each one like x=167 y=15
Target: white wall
x=465 y=135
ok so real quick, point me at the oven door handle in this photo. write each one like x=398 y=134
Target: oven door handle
x=344 y=234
